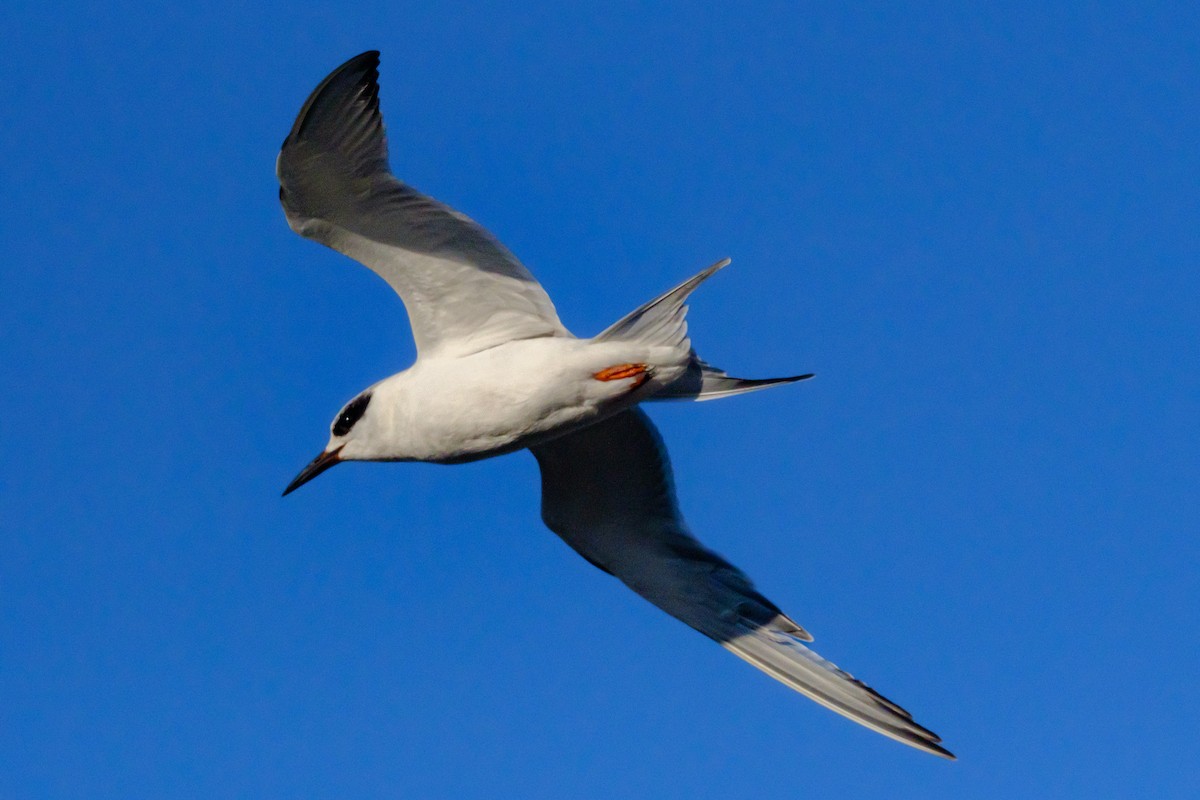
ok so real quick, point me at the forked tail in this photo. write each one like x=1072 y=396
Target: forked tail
x=663 y=322
x=706 y=382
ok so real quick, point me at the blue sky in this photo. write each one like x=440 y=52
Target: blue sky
x=978 y=227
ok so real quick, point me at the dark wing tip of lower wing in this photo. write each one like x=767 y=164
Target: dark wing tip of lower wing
x=937 y=750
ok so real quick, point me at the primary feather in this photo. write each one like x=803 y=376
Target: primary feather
x=607 y=491
x=463 y=289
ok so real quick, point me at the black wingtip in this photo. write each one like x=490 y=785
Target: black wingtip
x=938 y=750
x=365 y=69
x=366 y=60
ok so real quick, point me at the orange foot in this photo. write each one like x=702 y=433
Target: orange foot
x=616 y=373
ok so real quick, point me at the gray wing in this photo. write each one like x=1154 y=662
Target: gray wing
x=464 y=291
x=607 y=491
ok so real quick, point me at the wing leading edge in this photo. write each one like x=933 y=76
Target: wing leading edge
x=607 y=491
x=463 y=289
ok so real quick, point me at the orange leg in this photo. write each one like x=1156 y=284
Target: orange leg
x=619 y=371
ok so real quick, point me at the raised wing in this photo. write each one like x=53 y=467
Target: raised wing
x=464 y=291
x=607 y=491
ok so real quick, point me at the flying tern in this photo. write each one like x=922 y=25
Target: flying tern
x=496 y=371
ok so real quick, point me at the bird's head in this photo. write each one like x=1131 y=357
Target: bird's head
x=354 y=435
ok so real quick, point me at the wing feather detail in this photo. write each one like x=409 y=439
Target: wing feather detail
x=607 y=491
x=463 y=289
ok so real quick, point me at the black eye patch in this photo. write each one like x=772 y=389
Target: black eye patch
x=350 y=415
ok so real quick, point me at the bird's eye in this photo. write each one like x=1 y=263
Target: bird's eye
x=350 y=415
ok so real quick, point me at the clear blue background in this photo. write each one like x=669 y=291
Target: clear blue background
x=979 y=227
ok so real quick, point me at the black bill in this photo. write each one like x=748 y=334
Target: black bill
x=318 y=465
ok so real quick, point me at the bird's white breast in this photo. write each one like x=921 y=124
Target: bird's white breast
x=506 y=398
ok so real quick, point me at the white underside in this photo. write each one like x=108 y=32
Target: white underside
x=512 y=396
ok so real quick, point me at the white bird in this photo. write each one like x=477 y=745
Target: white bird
x=496 y=372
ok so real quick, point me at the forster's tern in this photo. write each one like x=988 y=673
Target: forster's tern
x=496 y=372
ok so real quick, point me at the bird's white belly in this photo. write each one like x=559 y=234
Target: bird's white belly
x=517 y=395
